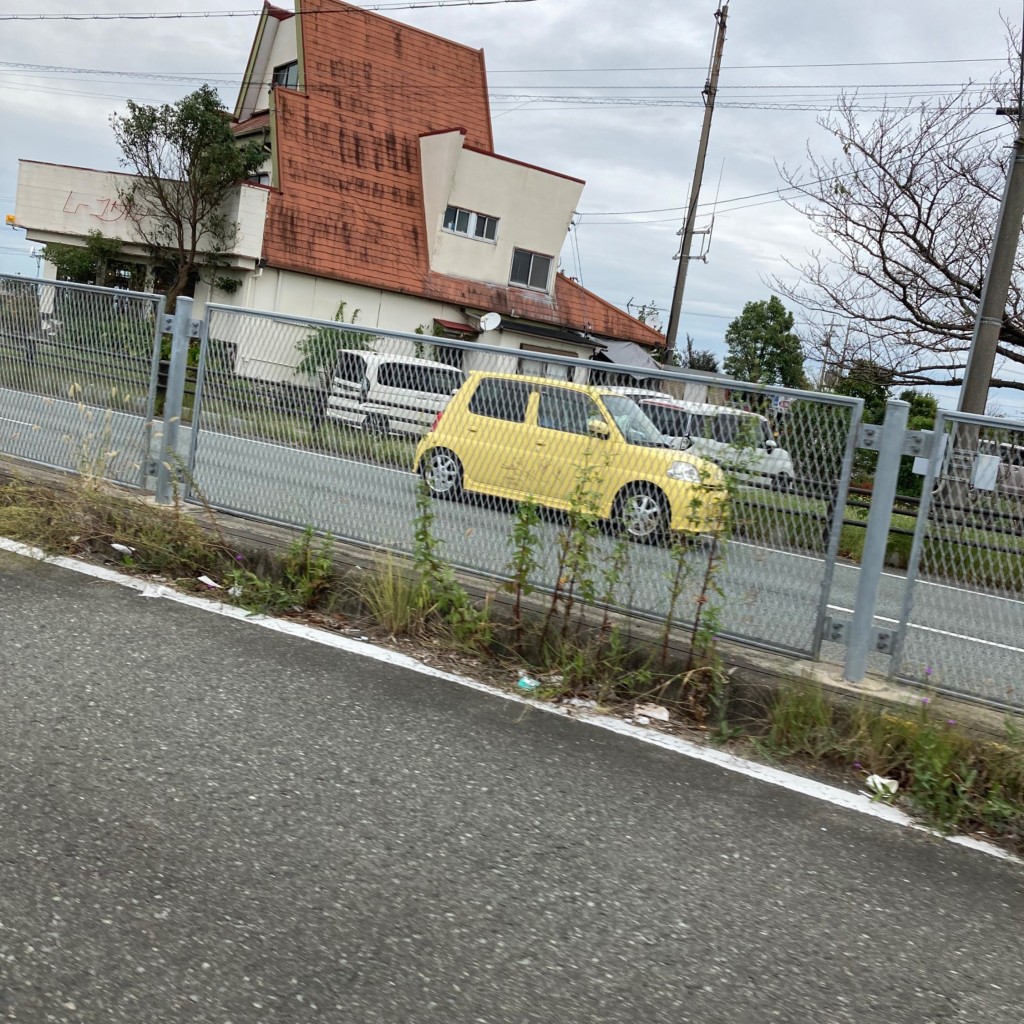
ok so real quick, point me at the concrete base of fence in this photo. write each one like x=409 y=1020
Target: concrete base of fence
x=753 y=674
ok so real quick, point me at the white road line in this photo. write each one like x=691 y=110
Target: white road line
x=302 y=451
x=889 y=575
x=941 y=632
x=21 y=423
x=858 y=802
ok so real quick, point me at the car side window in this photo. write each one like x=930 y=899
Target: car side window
x=351 y=367
x=399 y=375
x=725 y=428
x=501 y=399
x=561 y=409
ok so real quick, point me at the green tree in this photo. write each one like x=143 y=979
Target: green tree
x=186 y=162
x=83 y=264
x=762 y=346
x=923 y=410
x=698 y=358
x=319 y=350
x=868 y=380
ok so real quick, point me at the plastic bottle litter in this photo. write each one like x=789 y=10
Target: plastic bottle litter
x=881 y=787
x=527 y=683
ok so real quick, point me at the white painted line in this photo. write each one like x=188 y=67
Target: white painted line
x=859 y=802
x=302 y=451
x=21 y=423
x=889 y=575
x=935 y=629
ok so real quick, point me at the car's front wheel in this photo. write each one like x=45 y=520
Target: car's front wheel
x=442 y=473
x=642 y=513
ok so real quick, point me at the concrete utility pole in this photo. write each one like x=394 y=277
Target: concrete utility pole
x=981 y=359
x=710 y=89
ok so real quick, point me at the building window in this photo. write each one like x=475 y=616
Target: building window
x=540 y=367
x=287 y=75
x=530 y=269
x=466 y=222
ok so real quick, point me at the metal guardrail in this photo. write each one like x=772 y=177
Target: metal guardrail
x=316 y=422
x=78 y=376
x=312 y=422
x=961 y=625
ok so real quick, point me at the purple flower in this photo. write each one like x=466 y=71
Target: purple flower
x=926 y=700
x=929 y=670
x=950 y=721
x=239 y=558
x=857 y=764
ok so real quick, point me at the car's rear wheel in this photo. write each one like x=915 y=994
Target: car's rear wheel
x=442 y=473
x=783 y=483
x=642 y=513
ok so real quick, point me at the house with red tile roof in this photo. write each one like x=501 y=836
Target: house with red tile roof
x=381 y=191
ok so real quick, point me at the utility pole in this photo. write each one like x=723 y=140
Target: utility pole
x=981 y=359
x=710 y=89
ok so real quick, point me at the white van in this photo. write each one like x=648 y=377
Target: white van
x=385 y=394
x=740 y=442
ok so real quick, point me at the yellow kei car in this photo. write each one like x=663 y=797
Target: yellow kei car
x=562 y=444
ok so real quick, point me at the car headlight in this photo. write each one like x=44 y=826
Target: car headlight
x=684 y=471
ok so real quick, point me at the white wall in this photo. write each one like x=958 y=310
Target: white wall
x=533 y=207
x=57 y=203
x=266 y=348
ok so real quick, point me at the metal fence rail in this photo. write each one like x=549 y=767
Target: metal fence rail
x=317 y=423
x=78 y=376
x=961 y=626
x=324 y=424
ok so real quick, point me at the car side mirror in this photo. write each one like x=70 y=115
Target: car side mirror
x=770 y=445
x=682 y=443
x=598 y=428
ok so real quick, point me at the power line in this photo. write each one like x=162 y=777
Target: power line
x=734 y=199
x=757 y=67
x=180 y=15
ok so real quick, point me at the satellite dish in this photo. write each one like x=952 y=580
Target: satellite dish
x=489 y=321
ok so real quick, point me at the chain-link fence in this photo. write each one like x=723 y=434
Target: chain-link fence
x=643 y=478
x=78 y=376
x=962 y=623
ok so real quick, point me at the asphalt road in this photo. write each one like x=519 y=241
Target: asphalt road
x=207 y=821
x=962 y=638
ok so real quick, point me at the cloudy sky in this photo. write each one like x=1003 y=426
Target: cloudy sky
x=605 y=90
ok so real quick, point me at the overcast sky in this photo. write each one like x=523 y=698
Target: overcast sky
x=635 y=151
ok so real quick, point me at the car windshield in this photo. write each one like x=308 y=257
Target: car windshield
x=635 y=426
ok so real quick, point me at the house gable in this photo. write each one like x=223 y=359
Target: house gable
x=351 y=151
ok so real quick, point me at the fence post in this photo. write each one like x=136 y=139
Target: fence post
x=173 y=401
x=883 y=493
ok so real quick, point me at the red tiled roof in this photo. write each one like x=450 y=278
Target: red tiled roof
x=350 y=205
x=251 y=124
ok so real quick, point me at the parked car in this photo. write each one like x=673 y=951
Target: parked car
x=739 y=441
x=386 y=394
x=553 y=442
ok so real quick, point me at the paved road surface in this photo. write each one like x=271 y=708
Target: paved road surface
x=205 y=821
